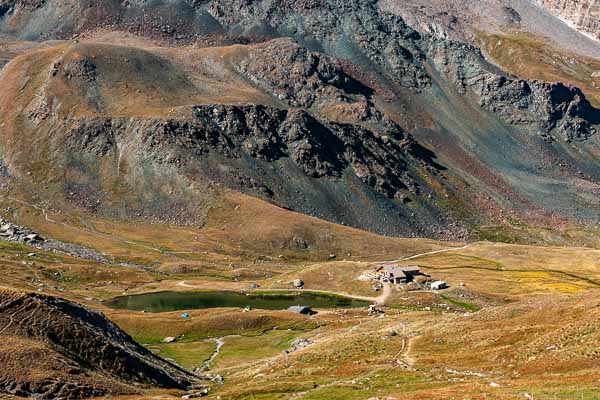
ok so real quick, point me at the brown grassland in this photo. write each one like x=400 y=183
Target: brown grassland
x=516 y=320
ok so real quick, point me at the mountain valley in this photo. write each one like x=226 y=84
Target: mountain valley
x=275 y=148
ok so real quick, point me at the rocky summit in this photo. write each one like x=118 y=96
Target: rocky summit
x=429 y=172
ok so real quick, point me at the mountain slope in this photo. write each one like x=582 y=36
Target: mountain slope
x=584 y=15
x=92 y=356
x=365 y=121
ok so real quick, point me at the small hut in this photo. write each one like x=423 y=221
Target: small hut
x=399 y=274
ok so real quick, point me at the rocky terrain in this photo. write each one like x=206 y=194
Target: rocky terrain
x=244 y=145
x=334 y=128
x=583 y=15
x=91 y=354
x=19 y=234
x=450 y=19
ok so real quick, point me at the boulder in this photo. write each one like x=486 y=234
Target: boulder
x=196 y=395
x=33 y=237
x=299 y=344
x=298 y=283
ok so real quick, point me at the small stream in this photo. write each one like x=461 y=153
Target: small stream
x=206 y=364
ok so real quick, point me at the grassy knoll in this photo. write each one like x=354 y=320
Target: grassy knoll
x=151 y=328
x=467 y=306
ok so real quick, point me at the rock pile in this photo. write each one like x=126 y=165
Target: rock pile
x=16 y=233
x=12 y=232
x=299 y=344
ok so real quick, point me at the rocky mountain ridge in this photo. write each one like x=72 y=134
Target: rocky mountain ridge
x=318 y=148
x=328 y=116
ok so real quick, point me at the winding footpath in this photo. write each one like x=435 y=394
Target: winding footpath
x=379 y=300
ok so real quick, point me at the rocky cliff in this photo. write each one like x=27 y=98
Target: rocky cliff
x=404 y=55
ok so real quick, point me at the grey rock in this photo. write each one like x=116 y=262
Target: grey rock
x=298 y=283
x=299 y=344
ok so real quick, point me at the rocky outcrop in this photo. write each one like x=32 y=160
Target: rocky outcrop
x=584 y=15
x=354 y=26
x=553 y=110
x=302 y=78
x=336 y=72
x=319 y=148
x=556 y=111
x=20 y=234
x=88 y=342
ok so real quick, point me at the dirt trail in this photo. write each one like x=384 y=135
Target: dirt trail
x=36 y=207
x=387 y=287
x=425 y=254
x=401 y=357
x=90 y=229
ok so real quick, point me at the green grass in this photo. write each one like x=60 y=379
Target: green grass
x=187 y=354
x=463 y=304
x=503 y=234
x=244 y=349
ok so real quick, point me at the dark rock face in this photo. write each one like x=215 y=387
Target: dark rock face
x=88 y=339
x=320 y=149
x=403 y=54
x=558 y=111
x=355 y=29
x=355 y=24
x=337 y=71
x=553 y=110
x=299 y=77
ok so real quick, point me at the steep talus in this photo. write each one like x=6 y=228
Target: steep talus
x=351 y=29
x=403 y=54
x=123 y=161
x=237 y=146
x=450 y=78
x=583 y=15
x=318 y=148
x=540 y=107
x=96 y=357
